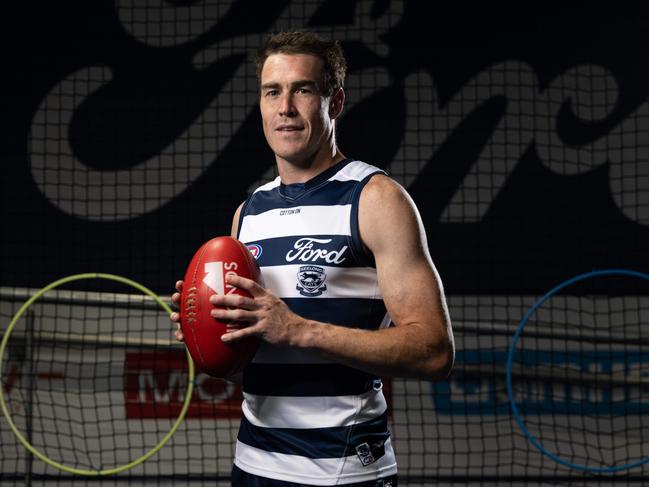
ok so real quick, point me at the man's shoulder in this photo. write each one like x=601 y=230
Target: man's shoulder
x=381 y=187
x=388 y=218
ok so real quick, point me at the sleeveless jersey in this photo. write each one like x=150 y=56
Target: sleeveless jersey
x=307 y=419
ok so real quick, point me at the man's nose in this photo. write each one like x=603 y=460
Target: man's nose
x=287 y=108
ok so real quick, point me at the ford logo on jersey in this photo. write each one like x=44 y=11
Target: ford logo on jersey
x=311 y=280
x=304 y=250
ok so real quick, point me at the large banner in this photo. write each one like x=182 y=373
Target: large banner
x=131 y=133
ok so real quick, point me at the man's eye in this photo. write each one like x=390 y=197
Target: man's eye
x=303 y=90
x=272 y=93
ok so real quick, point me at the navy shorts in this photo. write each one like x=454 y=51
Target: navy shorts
x=245 y=479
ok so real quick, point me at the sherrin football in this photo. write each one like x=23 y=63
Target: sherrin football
x=205 y=276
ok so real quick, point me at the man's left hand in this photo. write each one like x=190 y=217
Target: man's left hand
x=263 y=315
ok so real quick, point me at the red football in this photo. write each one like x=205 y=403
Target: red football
x=205 y=276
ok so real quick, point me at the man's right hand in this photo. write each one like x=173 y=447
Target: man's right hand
x=175 y=316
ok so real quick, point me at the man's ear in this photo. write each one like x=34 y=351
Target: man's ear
x=336 y=103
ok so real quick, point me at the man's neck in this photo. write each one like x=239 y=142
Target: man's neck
x=303 y=171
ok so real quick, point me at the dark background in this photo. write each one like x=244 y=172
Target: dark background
x=542 y=228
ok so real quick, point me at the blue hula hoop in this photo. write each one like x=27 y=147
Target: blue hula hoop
x=510 y=358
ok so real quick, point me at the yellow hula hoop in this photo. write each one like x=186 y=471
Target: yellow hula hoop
x=39 y=454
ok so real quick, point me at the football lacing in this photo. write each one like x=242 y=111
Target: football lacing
x=189 y=304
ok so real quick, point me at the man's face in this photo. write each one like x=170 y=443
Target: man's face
x=295 y=115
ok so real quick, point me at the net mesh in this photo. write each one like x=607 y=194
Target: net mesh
x=526 y=170
x=94 y=387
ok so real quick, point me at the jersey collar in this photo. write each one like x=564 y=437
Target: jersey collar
x=295 y=190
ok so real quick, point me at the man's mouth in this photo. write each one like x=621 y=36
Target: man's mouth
x=288 y=128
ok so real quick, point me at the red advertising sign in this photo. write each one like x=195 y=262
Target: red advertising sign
x=155 y=384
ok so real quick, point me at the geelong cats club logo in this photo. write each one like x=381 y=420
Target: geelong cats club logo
x=311 y=280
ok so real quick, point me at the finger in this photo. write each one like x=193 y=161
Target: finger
x=175 y=317
x=179 y=286
x=234 y=335
x=175 y=298
x=178 y=332
x=179 y=335
x=229 y=315
x=233 y=301
x=246 y=284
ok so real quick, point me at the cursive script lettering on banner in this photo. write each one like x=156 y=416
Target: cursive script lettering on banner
x=589 y=92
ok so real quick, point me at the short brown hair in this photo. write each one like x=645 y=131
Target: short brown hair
x=299 y=42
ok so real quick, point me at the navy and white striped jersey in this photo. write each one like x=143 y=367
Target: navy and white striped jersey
x=307 y=419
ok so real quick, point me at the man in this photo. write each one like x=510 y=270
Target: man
x=352 y=293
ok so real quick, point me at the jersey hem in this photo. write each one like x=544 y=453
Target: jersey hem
x=385 y=471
